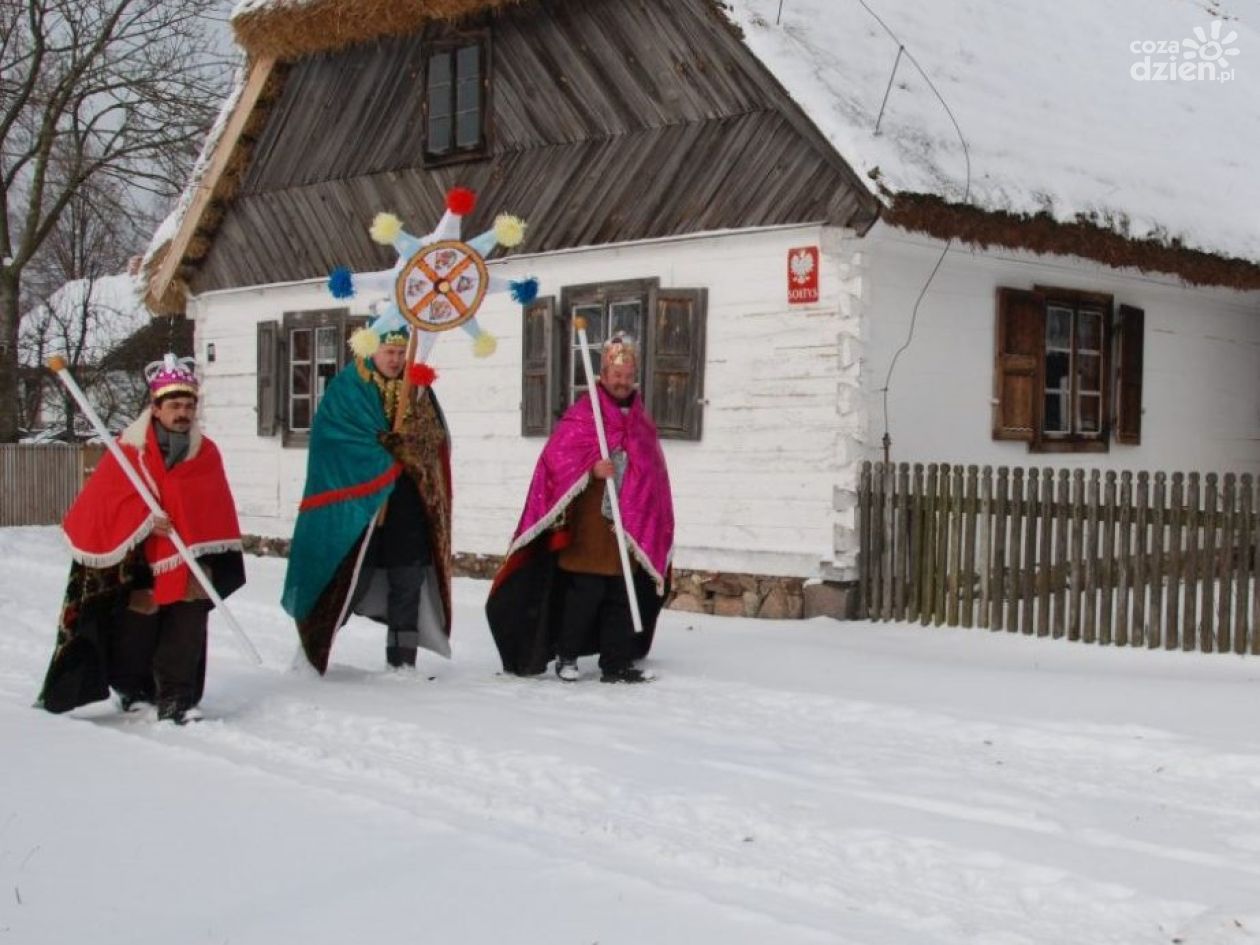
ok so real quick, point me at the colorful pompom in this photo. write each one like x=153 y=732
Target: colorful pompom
x=385 y=228
x=364 y=343
x=460 y=201
x=524 y=291
x=484 y=345
x=509 y=230
x=341 y=283
x=421 y=375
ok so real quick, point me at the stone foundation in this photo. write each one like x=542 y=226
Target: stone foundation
x=702 y=592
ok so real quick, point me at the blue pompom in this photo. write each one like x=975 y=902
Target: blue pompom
x=524 y=291
x=341 y=282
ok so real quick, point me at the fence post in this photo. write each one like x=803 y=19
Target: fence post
x=1045 y=561
x=1141 y=516
x=889 y=530
x=997 y=585
x=985 y=539
x=1108 y=558
x=1076 y=581
x=943 y=507
x=1090 y=606
x=1208 y=570
x=927 y=587
x=1225 y=569
x=1028 y=586
x=901 y=567
x=1124 y=576
x=1241 y=564
x=1172 y=602
x=967 y=574
x=1156 y=619
x=1190 y=567
x=915 y=573
x=1015 y=574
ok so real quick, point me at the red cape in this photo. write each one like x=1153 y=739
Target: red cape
x=109 y=518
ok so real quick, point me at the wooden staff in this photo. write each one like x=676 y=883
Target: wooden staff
x=58 y=366
x=611 y=482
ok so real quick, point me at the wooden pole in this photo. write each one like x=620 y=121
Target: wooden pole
x=58 y=366
x=611 y=482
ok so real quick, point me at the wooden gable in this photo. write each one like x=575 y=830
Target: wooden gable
x=608 y=121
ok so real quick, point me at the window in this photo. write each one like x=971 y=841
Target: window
x=297 y=358
x=456 y=77
x=1059 y=358
x=669 y=325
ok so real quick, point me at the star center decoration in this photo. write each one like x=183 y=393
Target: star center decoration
x=437 y=284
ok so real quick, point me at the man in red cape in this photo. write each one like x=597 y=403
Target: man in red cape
x=561 y=593
x=134 y=617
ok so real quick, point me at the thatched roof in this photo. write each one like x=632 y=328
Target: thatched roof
x=287 y=29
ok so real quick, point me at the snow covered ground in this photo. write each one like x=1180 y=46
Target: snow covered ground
x=781 y=783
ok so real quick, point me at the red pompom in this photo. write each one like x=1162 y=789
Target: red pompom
x=460 y=200
x=421 y=375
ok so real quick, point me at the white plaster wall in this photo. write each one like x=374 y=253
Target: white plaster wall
x=756 y=494
x=1201 y=384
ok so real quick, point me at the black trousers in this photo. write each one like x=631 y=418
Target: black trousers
x=157 y=657
x=595 y=613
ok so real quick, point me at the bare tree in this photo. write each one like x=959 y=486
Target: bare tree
x=104 y=98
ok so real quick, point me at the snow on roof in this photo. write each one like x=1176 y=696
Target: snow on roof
x=1066 y=107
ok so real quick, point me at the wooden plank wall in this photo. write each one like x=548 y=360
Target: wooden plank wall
x=1152 y=560
x=608 y=122
x=38 y=483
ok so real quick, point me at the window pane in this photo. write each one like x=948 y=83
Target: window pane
x=467 y=129
x=326 y=373
x=1056 y=412
x=326 y=344
x=594 y=315
x=626 y=317
x=439 y=135
x=1091 y=413
x=1057 y=365
x=439 y=71
x=1089 y=373
x=1058 y=327
x=1089 y=337
x=468 y=62
x=300 y=344
x=300 y=413
x=300 y=380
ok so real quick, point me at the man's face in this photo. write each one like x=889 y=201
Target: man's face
x=176 y=413
x=618 y=379
x=390 y=360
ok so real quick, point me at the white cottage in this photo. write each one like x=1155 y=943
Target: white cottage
x=780 y=204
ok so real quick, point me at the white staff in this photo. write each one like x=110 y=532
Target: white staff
x=57 y=365
x=611 y=482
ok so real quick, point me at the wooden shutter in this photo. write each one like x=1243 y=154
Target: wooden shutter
x=268 y=402
x=1019 y=365
x=539 y=364
x=675 y=369
x=1130 y=336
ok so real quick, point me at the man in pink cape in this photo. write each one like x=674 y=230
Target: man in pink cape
x=561 y=593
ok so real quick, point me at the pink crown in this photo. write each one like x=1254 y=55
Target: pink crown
x=171 y=375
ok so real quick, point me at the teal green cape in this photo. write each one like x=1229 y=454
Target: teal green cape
x=349 y=475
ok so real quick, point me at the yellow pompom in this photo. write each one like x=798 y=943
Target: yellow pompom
x=385 y=228
x=509 y=230
x=484 y=345
x=364 y=343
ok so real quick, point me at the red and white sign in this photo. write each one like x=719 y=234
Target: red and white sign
x=802 y=273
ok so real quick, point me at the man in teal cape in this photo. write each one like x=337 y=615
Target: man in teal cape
x=373 y=530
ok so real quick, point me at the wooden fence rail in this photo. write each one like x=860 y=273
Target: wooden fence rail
x=38 y=483
x=1125 y=559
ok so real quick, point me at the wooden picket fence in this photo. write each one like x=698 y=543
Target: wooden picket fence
x=1125 y=559
x=38 y=483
